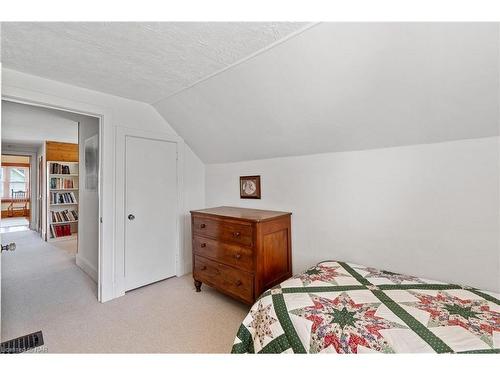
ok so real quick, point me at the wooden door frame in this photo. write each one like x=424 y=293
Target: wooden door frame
x=121 y=135
x=105 y=278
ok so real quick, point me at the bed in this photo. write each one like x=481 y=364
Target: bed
x=339 y=307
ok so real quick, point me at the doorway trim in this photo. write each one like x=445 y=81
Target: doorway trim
x=105 y=277
x=121 y=135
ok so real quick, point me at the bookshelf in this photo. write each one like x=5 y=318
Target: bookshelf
x=62 y=200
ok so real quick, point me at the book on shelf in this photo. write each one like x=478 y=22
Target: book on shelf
x=61 y=231
x=61 y=183
x=56 y=168
x=64 y=215
x=62 y=198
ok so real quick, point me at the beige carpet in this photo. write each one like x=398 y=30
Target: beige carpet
x=43 y=289
x=70 y=246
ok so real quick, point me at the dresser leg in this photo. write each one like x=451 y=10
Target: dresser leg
x=197 y=285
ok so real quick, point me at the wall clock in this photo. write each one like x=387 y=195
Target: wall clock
x=250 y=187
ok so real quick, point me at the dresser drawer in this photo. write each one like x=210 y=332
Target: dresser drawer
x=227 y=253
x=223 y=230
x=232 y=281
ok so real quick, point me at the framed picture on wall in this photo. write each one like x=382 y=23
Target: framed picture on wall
x=91 y=155
x=250 y=187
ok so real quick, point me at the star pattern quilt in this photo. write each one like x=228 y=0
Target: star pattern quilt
x=339 y=307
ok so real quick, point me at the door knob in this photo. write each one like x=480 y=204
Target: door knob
x=131 y=217
x=9 y=247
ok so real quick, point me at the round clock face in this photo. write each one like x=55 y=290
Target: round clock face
x=249 y=187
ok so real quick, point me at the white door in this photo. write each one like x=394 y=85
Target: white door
x=150 y=210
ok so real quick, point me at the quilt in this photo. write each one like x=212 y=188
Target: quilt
x=340 y=307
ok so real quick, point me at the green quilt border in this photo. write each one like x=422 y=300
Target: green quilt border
x=278 y=345
x=246 y=344
x=486 y=296
x=322 y=289
x=284 y=318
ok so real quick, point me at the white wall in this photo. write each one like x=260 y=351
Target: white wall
x=87 y=257
x=117 y=112
x=429 y=210
x=194 y=198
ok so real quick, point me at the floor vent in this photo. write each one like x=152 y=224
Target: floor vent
x=22 y=344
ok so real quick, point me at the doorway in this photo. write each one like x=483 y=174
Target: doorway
x=15 y=192
x=52 y=255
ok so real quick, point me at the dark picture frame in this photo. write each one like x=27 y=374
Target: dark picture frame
x=255 y=182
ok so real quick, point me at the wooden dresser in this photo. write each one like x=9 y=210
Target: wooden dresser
x=239 y=251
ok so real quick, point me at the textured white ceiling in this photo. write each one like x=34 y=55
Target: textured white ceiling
x=142 y=61
x=332 y=87
x=343 y=86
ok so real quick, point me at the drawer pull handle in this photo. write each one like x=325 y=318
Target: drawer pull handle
x=238 y=283
x=202 y=226
x=203 y=244
x=203 y=268
x=236 y=234
x=237 y=256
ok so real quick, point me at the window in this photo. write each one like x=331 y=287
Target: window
x=13 y=179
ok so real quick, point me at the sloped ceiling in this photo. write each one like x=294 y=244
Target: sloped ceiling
x=341 y=87
x=141 y=61
x=241 y=91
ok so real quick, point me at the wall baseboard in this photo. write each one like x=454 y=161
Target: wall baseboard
x=86 y=267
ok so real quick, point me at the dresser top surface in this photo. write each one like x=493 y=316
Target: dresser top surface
x=249 y=214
